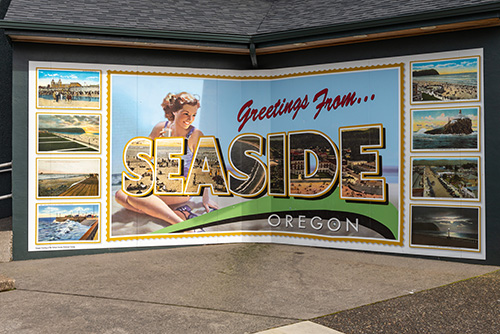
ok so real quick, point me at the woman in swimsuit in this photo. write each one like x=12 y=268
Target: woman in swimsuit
x=180 y=111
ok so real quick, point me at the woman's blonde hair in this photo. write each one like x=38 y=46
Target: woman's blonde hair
x=174 y=102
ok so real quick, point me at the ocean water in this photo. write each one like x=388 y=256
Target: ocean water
x=116 y=179
x=73 y=133
x=469 y=79
x=51 y=230
x=422 y=141
x=444 y=234
x=74 y=98
x=58 y=176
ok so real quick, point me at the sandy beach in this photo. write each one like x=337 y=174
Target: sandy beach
x=432 y=90
x=429 y=240
x=73 y=104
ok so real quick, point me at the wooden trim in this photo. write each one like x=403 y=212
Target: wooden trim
x=241 y=50
x=127 y=44
x=425 y=30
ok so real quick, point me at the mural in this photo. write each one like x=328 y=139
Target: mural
x=198 y=168
x=355 y=155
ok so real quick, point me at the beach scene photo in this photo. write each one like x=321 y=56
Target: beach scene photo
x=355 y=164
x=311 y=174
x=68 y=89
x=139 y=167
x=68 y=222
x=451 y=227
x=276 y=160
x=68 y=133
x=74 y=178
x=445 y=178
x=445 y=80
x=445 y=129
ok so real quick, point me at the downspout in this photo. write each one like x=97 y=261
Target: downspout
x=253 y=55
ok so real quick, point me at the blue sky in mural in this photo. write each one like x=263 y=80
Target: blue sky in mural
x=85 y=78
x=450 y=66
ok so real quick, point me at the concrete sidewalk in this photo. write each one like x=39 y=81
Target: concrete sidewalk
x=5 y=239
x=235 y=288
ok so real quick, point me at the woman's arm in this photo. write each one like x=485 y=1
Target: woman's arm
x=157 y=130
x=207 y=203
x=193 y=140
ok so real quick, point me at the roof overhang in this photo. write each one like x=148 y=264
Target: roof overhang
x=471 y=17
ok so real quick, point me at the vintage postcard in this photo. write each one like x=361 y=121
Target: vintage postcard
x=68 y=178
x=440 y=178
x=68 y=133
x=445 y=80
x=447 y=129
x=68 y=89
x=448 y=227
x=63 y=223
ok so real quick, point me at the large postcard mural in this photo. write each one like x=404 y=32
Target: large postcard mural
x=329 y=156
x=195 y=163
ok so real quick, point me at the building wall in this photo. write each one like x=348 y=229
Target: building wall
x=6 y=115
x=482 y=38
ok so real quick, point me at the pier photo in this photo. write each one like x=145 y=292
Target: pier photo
x=75 y=178
x=68 y=133
x=67 y=222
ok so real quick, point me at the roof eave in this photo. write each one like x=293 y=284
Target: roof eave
x=468 y=17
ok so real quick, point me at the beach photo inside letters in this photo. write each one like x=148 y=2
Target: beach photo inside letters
x=446 y=80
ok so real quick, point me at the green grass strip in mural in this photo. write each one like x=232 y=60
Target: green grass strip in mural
x=386 y=214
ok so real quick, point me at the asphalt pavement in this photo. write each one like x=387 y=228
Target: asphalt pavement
x=249 y=288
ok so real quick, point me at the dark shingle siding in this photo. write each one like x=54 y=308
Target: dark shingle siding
x=225 y=17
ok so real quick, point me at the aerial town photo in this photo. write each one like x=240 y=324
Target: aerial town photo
x=311 y=174
x=445 y=178
x=276 y=168
x=355 y=163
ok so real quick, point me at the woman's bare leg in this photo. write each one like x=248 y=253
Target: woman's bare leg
x=155 y=207
x=152 y=205
x=122 y=199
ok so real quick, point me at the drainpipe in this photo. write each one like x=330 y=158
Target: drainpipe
x=253 y=55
